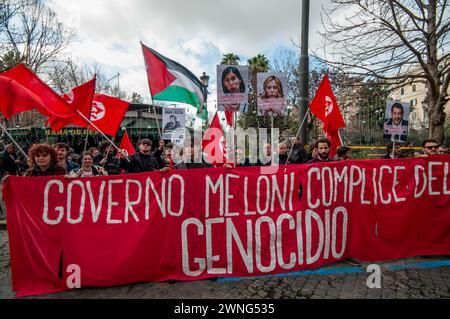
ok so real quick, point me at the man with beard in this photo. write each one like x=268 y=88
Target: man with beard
x=323 y=146
x=430 y=148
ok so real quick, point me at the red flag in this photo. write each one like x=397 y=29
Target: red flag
x=107 y=113
x=54 y=104
x=325 y=107
x=16 y=98
x=80 y=99
x=336 y=141
x=126 y=145
x=213 y=144
x=229 y=117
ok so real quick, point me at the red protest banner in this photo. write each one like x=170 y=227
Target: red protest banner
x=195 y=224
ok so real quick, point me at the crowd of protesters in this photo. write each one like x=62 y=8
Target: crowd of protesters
x=60 y=158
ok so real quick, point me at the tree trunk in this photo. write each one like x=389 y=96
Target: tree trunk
x=437 y=119
x=435 y=107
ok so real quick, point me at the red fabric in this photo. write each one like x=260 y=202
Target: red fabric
x=336 y=141
x=80 y=99
x=16 y=98
x=54 y=104
x=126 y=144
x=332 y=119
x=107 y=113
x=213 y=144
x=159 y=77
x=123 y=229
x=229 y=117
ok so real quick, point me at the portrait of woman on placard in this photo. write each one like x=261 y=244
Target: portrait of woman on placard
x=232 y=82
x=272 y=89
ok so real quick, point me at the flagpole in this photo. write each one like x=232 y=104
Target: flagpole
x=96 y=128
x=393 y=149
x=156 y=117
x=86 y=140
x=14 y=141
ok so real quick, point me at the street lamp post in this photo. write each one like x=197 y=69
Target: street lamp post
x=205 y=83
x=304 y=71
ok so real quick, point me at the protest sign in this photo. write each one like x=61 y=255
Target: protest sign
x=201 y=223
x=272 y=99
x=174 y=124
x=232 y=88
x=396 y=121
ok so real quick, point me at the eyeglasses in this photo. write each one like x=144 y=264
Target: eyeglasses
x=432 y=147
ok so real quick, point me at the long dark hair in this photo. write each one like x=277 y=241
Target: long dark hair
x=235 y=70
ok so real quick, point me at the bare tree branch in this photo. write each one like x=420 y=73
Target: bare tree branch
x=393 y=41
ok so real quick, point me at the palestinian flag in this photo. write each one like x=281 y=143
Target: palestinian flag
x=170 y=81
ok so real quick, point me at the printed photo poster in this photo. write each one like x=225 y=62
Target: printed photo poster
x=174 y=124
x=271 y=91
x=232 y=88
x=396 y=121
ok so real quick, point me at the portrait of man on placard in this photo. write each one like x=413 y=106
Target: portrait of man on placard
x=174 y=123
x=272 y=99
x=396 y=121
x=232 y=89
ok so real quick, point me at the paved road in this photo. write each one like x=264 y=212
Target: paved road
x=409 y=278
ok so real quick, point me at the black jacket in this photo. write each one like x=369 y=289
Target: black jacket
x=298 y=155
x=137 y=164
x=8 y=164
x=112 y=165
x=52 y=170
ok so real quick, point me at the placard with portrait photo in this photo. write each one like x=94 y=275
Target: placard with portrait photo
x=271 y=91
x=232 y=88
x=396 y=121
x=174 y=124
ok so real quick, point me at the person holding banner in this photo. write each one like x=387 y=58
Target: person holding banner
x=43 y=162
x=62 y=152
x=188 y=161
x=298 y=152
x=443 y=149
x=323 y=146
x=9 y=162
x=107 y=158
x=166 y=158
x=142 y=161
x=430 y=147
x=396 y=153
x=343 y=153
x=87 y=169
x=282 y=154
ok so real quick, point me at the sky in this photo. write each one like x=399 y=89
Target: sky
x=195 y=33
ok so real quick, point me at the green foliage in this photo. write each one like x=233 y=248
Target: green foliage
x=230 y=59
